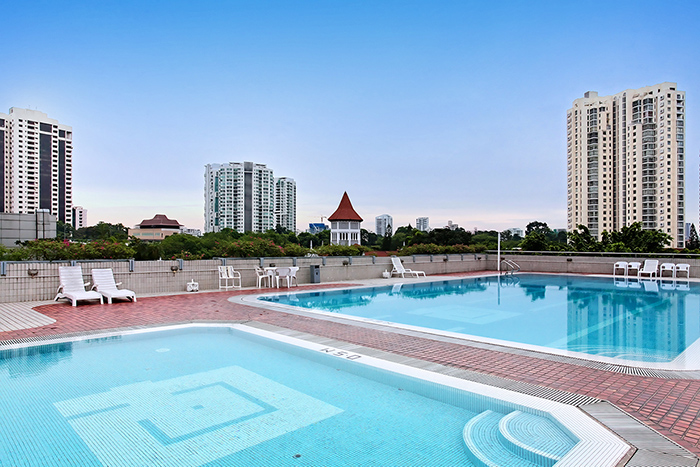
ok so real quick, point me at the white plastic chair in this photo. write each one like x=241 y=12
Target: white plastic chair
x=634 y=265
x=620 y=265
x=683 y=267
x=103 y=283
x=650 y=268
x=73 y=286
x=288 y=274
x=670 y=267
x=263 y=277
x=228 y=278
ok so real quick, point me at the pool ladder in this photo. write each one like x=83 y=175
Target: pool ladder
x=509 y=267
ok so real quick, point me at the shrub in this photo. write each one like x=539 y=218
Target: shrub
x=295 y=250
x=341 y=250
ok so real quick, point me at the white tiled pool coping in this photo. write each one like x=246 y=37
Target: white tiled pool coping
x=688 y=360
x=597 y=446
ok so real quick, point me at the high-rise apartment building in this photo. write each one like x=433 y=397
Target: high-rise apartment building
x=36 y=164
x=286 y=203
x=626 y=160
x=79 y=217
x=241 y=196
x=384 y=224
x=423 y=224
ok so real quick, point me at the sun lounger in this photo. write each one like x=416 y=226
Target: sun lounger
x=399 y=269
x=633 y=266
x=73 y=286
x=667 y=267
x=620 y=266
x=683 y=268
x=103 y=283
x=649 y=269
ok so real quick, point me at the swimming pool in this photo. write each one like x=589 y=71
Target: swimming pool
x=647 y=323
x=220 y=396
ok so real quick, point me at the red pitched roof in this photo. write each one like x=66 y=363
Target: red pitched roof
x=345 y=211
x=160 y=221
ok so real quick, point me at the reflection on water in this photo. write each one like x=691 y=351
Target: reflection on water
x=34 y=360
x=340 y=299
x=643 y=320
x=30 y=361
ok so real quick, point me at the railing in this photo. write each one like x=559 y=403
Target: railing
x=509 y=267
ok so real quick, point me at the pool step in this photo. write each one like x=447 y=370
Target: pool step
x=533 y=437
x=514 y=440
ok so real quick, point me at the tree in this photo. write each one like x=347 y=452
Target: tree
x=535 y=241
x=63 y=230
x=506 y=235
x=693 y=242
x=582 y=240
x=635 y=239
x=537 y=226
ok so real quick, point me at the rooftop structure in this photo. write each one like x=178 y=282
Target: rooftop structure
x=345 y=223
x=155 y=229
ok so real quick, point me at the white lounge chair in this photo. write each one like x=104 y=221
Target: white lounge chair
x=399 y=269
x=633 y=266
x=103 y=283
x=620 y=265
x=683 y=268
x=73 y=286
x=668 y=267
x=650 y=268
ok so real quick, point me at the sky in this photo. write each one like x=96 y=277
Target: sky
x=454 y=110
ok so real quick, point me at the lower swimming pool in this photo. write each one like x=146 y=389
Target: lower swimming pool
x=213 y=396
x=651 y=323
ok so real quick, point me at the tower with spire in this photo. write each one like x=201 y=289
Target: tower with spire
x=345 y=223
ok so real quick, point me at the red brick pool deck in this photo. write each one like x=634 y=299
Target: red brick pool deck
x=670 y=406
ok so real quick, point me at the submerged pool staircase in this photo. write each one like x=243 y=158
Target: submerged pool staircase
x=516 y=439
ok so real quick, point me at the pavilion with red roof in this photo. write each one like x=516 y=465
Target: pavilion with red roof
x=345 y=223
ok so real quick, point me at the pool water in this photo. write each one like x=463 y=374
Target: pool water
x=643 y=321
x=217 y=397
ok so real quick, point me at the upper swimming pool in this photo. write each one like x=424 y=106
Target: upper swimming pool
x=650 y=323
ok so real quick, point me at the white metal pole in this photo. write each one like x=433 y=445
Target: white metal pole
x=499 y=252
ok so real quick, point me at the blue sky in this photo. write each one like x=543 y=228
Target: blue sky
x=449 y=109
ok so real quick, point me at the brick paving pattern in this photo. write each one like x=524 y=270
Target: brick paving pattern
x=670 y=406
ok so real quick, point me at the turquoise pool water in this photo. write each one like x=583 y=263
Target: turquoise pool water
x=644 y=321
x=218 y=397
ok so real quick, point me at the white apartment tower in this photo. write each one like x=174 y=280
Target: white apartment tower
x=626 y=159
x=36 y=164
x=384 y=224
x=241 y=196
x=79 y=217
x=286 y=203
x=423 y=224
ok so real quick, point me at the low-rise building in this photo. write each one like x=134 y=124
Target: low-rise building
x=156 y=229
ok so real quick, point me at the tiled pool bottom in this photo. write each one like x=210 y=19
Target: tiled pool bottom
x=119 y=401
